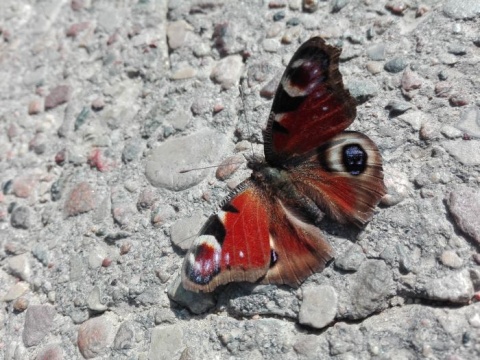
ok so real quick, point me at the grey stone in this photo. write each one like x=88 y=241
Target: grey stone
x=184 y=231
x=464 y=205
x=466 y=152
x=166 y=342
x=20 y=217
x=132 y=150
x=197 y=303
x=227 y=71
x=351 y=259
x=338 y=5
x=125 y=336
x=398 y=106
x=94 y=337
x=376 y=52
x=456 y=288
x=38 y=323
x=395 y=65
x=94 y=301
x=319 y=306
x=470 y=122
x=362 y=90
x=20 y=266
x=461 y=9
x=372 y=286
x=190 y=152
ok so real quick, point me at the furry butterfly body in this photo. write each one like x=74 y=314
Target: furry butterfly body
x=267 y=230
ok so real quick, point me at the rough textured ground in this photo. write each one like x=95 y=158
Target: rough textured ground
x=103 y=102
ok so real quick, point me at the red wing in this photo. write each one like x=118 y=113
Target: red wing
x=310 y=106
x=298 y=248
x=344 y=178
x=233 y=245
x=254 y=238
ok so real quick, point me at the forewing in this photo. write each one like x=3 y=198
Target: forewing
x=344 y=178
x=233 y=245
x=311 y=104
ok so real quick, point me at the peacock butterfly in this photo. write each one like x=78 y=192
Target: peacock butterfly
x=267 y=229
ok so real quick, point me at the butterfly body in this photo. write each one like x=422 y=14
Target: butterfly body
x=267 y=229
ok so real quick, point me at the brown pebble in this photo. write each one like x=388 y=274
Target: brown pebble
x=20 y=304
x=60 y=157
x=125 y=248
x=80 y=200
x=35 y=107
x=442 y=89
x=77 y=5
x=57 y=96
x=77 y=28
x=228 y=167
x=98 y=104
x=396 y=7
x=458 y=99
x=93 y=337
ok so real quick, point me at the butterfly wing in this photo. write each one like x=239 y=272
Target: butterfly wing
x=311 y=104
x=254 y=238
x=344 y=178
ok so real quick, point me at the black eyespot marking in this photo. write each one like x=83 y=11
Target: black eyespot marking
x=228 y=207
x=215 y=228
x=354 y=159
x=273 y=257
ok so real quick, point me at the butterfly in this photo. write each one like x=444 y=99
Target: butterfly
x=267 y=230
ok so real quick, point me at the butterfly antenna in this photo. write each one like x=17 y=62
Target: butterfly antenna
x=242 y=95
x=209 y=167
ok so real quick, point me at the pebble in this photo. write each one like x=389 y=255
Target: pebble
x=337 y=5
x=19 y=266
x=50 y=352
x=80 y=200
x=20 y=304
x=395 y=65
x=376 y=52
x=161 y=214
x=23 y=186
x=351 y=259
x=125 y=337
x=459 y=99
x=443 y=89
x=58 y=96
x=38 y=324
x=451 y=259
x=94 y=301
x=38 y=144
x=146 y=199
x=371 y=288
x=94 y=337
x=461 y=9
x=186 y=72
x=362 y=90
x=274 y=30
x=165 y=162
x=166 y=340
x=224 y=38
x=466 y=152
x=291 y=34
x=133 y=150
x=177 y=32
x=35 y=107
x=101 y=159
x=268 y=91
x=227 y=71
x=201 y=105
x=455 y=287
x=414 y=118
x=319 y=306
x=20 y=217
x=398 y=106
x=410 y=81
x=123 y=210
x=447 y=59
x=464 y=205
x=40 y=252
x=15 y=291
x=310 y=5
x=374 y=67
x=180 y=119
x=229 y=166
x=271 y=45
x=470 y=122
x=457 y=50
x=184 y=231
x=197 y=303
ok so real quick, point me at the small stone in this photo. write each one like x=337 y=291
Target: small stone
x=410 y=81
x=197 y=303
x=461 y=9
x=421 y=10
x=269 y=90
x=50 y=352
x=94 y=337
x=291 y=34
x=458 y=99
x=228 y=167
x=351 y=259
x=186 y=72
x=396 y=7
x=177 y=32
x=225 y=38
x=146 y=199
x=457 y=50
x=164 y=316
x=201 y=105
x=61 y=157
x=428 y=131
x=23 y=186
x=319 y=306
x=227 y=71
x=464 y=205
x=80 y=200
x=376 y=52
x=310 y=5
x=20 y=304
x=125 y=248
x=98 y=104
x=101 y=160
x=166 y=340
x=35 y=107
x=184 y=231
x=20 y=218
x=338 y=5
x=398 y=106
x=38 y=144
x=16 y=291
x=451 y=259
x=466 y=152
x=443 y=89
x=125 y=337
x=279 y=15
x=57 y=96
x=395 y=65
x=455 y=288
x=374 y=67
x=20 y=266
x=271 y=45
x=38 y=324
x=161 y=214
x=470 y=122
x=362 y=91
x=94 y=301
x=132 y=150
x=448 y=59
